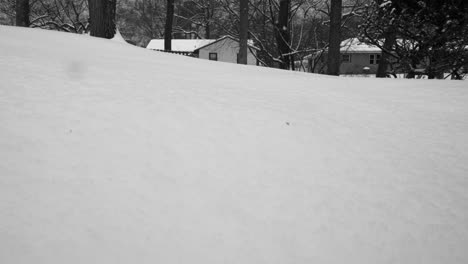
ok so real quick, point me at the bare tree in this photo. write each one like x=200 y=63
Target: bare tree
x=282 y=33
x=197 y=18
x=168 y=26
x=63 y=15
x=22 y=13
x=7 y=12
x=102 y=18
x=243 y=31
x=141 y=20
x=277 y=44
x=334 y=39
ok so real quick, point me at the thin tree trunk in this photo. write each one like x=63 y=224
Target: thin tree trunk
x=291 y=59
x=22 y=13
x=102 y=18
x=208 y=21
x=282 y=36
x=412 y=70
x=334 y=56
x=207 y=30
x=390 y=39
x=243 y=31
x=168 y=27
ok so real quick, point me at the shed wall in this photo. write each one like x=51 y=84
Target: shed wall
x=227 y=50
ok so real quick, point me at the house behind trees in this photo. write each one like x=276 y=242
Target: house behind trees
x=356 y=58
x=225 y=49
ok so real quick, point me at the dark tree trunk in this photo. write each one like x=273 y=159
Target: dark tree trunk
x=22 y=13
x=334 y=40
x=282 y=34
x=390 y=39
x=411 y=72
x=208 y=21
x=102 y=18
x=168 y=27
x=437 y=72
x=243 y=31
x=207 y=30
x=291 y=59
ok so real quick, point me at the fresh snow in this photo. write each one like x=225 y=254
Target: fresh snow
x=118 y=37
x=354 y=45
x=111 y=153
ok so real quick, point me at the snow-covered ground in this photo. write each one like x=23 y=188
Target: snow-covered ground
x=111 y=153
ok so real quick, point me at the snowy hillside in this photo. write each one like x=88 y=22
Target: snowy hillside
x=111 y=153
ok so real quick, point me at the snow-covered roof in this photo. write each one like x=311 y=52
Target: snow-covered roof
x=351 y=45
x=250 y=42
x=187 y=45
x=190 y=45
x=354 y=45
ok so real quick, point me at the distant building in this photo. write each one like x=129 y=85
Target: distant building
x=356 y=58
x=225 y=49
x=180 y=46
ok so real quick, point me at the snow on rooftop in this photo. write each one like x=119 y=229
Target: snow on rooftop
x=250 y=42
x=351 y=45
x=112 y=153
x=354 y=45
x=187 y=45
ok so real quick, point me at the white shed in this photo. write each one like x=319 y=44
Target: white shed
x=226 y=49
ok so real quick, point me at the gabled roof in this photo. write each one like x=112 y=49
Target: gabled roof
x=354 y=45
x=250 y=42
x=183 y=45
x=351 y=45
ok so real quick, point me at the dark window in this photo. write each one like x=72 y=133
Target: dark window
x=374 y=59
x=213 y=56
x=346 y=58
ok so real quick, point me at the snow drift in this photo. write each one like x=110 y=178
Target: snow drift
x=111 y=153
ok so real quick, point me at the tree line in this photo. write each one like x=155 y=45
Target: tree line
x=414 y=35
